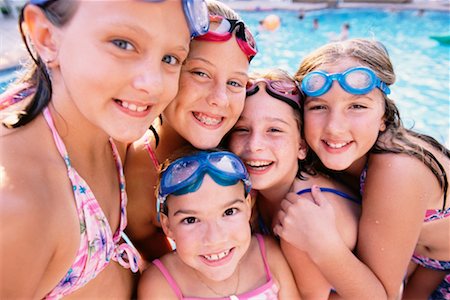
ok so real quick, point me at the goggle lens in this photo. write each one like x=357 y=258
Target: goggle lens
x=359 y=79
x=286 y=91
x=314 y=82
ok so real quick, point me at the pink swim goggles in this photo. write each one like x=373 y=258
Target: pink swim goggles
x=221 y=29
x=286 y=91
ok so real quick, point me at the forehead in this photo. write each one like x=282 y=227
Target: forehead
x=340 y=65
x=262 y=105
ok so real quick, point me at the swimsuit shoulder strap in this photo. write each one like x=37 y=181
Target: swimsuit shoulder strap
x=168 y=277
x=262 y=248
x=333 y=191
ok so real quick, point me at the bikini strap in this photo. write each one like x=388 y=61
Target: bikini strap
x=168 y=277
x=333 y=191
x=58 y=141
x=151 y=153
x=262 y=248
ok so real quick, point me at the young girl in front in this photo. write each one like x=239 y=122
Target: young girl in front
x=101 y=71
x=267 y=138
x=355 y=133
x=204 y=206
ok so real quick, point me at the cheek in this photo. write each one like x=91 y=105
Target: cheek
x=237 y=144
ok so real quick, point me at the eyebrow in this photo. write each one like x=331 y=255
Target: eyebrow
x=270 y=119
x=193 y=212
x=245 y=74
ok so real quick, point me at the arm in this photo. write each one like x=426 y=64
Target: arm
x=25 y=246
x=280 y=270
x=310 y=280
x=390 y=223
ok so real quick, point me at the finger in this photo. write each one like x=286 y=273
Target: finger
x=291 y=197
x=285 y=205
x=280 y=217
x=318 y=196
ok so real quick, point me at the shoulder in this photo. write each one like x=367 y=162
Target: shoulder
x=154 y=285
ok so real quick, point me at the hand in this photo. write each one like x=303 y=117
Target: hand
x=307 y=224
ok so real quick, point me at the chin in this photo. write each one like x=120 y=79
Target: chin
x=206 y=144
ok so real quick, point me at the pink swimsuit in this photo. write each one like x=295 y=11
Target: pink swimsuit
x=267 y=291
x=98 y=244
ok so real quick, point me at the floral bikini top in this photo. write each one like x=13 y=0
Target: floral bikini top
x=98 y=244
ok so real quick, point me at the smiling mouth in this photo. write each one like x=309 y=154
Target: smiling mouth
x=217 y=256
x=207 y=120
x=258 y=164
x=132 y=106
x=336 y=145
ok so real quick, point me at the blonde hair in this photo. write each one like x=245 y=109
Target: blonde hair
x=217 y=8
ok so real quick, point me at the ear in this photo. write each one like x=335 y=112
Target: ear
x=43 y=34
x=382 y=125
x=165 y=223
x=249 y=204
x=302 y=149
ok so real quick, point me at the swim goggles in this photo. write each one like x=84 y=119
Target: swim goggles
x=286 y=91
x=185 y=175
x=222 y=30
x=195 y=11
x=356 y=81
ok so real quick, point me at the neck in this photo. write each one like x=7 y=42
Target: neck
x=269 y=201
x=169 y=141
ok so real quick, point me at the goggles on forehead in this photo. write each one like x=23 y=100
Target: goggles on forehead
x=185 y=175
x=195 y=11
x=222 y=30
x=286 y=91
x=356 y=81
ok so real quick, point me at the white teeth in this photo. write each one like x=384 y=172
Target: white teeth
x=206 y=119
x=257 y=163
x=214 y=257
x=133 y=107
x=336 y=145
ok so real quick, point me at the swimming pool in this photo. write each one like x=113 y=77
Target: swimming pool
x=422 y=65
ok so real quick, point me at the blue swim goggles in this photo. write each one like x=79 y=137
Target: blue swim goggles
x=356 y=81
x=185 y=175
x=196 y=13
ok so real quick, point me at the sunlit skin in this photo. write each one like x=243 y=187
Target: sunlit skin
x=340 y=127
x=108 y=54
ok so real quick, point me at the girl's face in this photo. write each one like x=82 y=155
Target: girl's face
x=267 y=138
x=340 y=127
x=212 y=92
x=118 y=62
x=210 y=227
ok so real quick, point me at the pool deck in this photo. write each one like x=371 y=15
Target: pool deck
x=12 y=51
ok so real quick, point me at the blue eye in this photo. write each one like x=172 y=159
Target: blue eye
x=122 y=44
x=171 y=60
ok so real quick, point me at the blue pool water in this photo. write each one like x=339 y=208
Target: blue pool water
x=422 y=65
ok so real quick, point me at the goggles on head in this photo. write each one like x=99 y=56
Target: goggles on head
x=286 y=91
x=195 y=11
x=222 y=30
x=356 y=81
x=185 y=175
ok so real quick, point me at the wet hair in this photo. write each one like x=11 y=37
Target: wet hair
x=395 y=139
x=36 y=73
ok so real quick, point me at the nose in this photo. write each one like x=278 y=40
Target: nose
x=149 y=78
x=214 y=233
x=218 y=96
x=336 y=122
x=255 y=142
